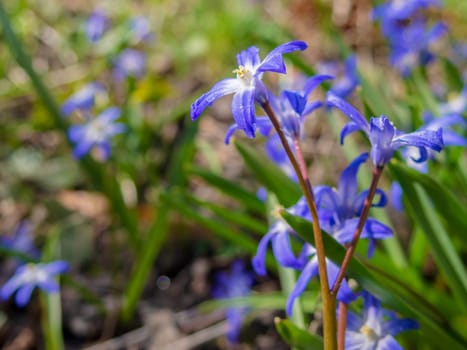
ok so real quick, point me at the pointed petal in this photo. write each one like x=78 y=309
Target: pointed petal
x=313 y=82
x=310 y=107
x=222 y=88
x=297 y=101
x=423 y=138
x=258 y=260
x=388 y=343
x=24 y=294
x=76 y=132
x=82 y=148
x=347 y=186
x=396 y=196
x=356 y=117
x=395 y=326
x=348 y=129
x=283 y=251
x=56 y=267
x=372 y=311
x=243 y=110
x=310 y=271
x=274 y=62
x=249 y=57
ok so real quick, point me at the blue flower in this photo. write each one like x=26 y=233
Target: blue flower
x=29 y=276
x=140 y=29
x=393 y=12
x=339 y=209
x=346 y=76
x=247 y=87
x=129 y=63
x=383 y=136
x=83 y=99
x=310 y=270
x=96 y=25
x=410 y=46
x=21 y=241
x=96 y=133
x=457 y=104
x=377 y=327
x=235 y=284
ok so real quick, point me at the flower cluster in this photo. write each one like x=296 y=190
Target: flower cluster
x=408 y=35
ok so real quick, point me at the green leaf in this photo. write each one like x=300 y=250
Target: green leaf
x=270 y=175
x=230 y=188
x=296 y=337
x=422 y=209
x=452 y=74
x=446 y=204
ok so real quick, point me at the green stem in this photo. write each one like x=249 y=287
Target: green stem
x=377 y=172
x=107 y=184
x=329 y=300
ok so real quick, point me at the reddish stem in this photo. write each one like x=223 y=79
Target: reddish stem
x=341 y=326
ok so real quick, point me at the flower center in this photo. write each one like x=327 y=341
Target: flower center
x=244 y=75
x=369 y=332
x=96 y=130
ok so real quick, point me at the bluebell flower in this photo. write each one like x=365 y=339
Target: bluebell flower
x=96 y=25
x=237 y=283
x=83 y=99
x=339 y=209
x=130 y=63
x=311 y=270
x=21 y=240
x=96 y=133
x=248 y=87
x=140 y=29
x=382 y=134
x=410 y=46
x=392 y=12
x=29 y=276
x=376 y=328
x=346 y=75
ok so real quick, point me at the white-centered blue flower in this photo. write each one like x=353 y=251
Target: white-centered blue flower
x=376 y=328
x=29 y=276
x=247 y=87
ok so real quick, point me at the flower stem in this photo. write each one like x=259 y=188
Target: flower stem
x=341 y=325
x=377 y=171
x=329 y=301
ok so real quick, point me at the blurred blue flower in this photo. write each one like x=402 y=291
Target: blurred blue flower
x=130 y=63
x=96 y=25
x=83 y=99
x=29 y=276
x=96 y=133
x=21 y=241
x=339 y=209
x=247 y=87
x=457 y=104
x=410 y=46
x=310 y=270
x=376 y=328
x=140 y=29
x=383 y=136
x=346 y=75
x=393 y=12
x=237 y=283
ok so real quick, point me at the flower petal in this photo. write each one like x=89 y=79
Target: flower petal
x=243 y=110
x=310 y=271
x=388 y=343
x=313 y=83
x=423 y=138
x=347 y=186
x=274 y=62
x=24 y=294
x=258 y=260
x=283 y=251
x=222 y=88
x=395 y=326
x=356 y=117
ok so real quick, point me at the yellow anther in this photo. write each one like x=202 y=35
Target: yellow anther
x=369 y=332
x=240 y=71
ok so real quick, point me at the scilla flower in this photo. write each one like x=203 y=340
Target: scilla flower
x=96 y=25
x=376 y=329
x=21 y=240
x=29 y=276
x=129 y=63
x=83 y=99
x=96 y=133
x=247 y=87
x=383 y=136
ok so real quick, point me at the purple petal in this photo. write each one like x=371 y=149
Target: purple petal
x=230 y=131
x=372 y=311
x=24 y=294
x=258 y=260
x=313 y=82
x=350 y=111
x=222 y=88
x=354 y=322
x=274 y=62
x=423 y=138
x=243 y=110
x=310 y=107
x=49 y=286
x=348 y=129
x=82 y=148
x=76 y=132
x=109 y=114
x=395 y=326
x=283 y=251
x=249 y=57
x=56 y=267
x=388 y=343
x=396 y=196
x=297 y=101
x=347 y=186
x=310 y=271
